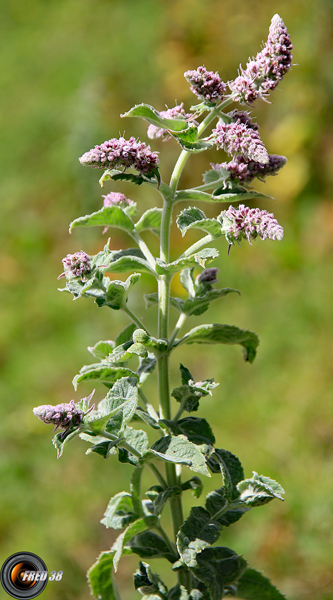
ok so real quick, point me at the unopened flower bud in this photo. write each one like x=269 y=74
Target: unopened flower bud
x=207 y=85
x=76 y=265
x=61 y=415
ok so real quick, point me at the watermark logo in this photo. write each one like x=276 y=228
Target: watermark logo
x=25 y=575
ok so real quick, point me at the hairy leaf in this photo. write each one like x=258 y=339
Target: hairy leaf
x=132 y=259
x=126 y=335
x=194 y=218
x=132 y=530
x=150 y=545
x=197 y=532
x=223 y=334
x=101 y=349
x=108 y=216
x=151 y=115
x=100 y=578
x=199 y=304
x=199 y=258
x=188 y=139
x=180 y=450
x=217 y=568
x=148 y=582
x=61 y=439
x=120 y=511
x=151 y=219
x=259 y=490
x=103 y=373
x=195 y=484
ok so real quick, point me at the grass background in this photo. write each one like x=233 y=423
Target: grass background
x=69 y=68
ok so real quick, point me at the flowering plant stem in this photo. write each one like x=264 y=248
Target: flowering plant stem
x=204 y=571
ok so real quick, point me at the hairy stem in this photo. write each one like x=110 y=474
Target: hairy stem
x=178 y=326
x=135 y=319
x=197 y=245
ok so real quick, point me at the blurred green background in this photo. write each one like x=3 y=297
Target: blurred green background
x=68 y=69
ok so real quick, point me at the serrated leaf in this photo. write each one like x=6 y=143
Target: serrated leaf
x=150 y=545
x=197 y=532
x=108 y=216
x=151 y=219
x=137 y=179
x=199 y=258
x=231 y=462
x=223 y=334
x=132 y=530
x=253 y=585
x=126 y=351
x=100 y=578
x=216 y=177
x=194 y=218
x=259 y=490
x=196 y=195
x=148 y=582
x=217 y=568
x=199 y=304
x=188 y=139
x=178 y=449
x=152 y=116
x=119 y=512
x=197 y=430
x=132 y=259
x=103 y=373
x=102 y=349
x=147 y=418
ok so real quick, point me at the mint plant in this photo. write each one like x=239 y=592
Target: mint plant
x=204 y=570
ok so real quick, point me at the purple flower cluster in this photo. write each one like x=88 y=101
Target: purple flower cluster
x=123 y=154
x=117 y=199
x=207 y=85
x=76 y=265
x=248 y=223
x=176 y=112
x=263 y=73
x=240 y=136
x=61 y=415
x=245 y=171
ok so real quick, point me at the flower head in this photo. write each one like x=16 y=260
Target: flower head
x=248 y=223
x=76 y=265
x=117 y=199
x=245 y=171
x=121 y=153
x=61 y=415
x=176 y=112
x=239 y=137
x=207 y=85
x=269 y=66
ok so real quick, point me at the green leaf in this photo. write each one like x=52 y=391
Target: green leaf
x=151 y=219
x=147 y=418
x=151 y=545
x=197 y=430
x=217 y=568
x=151 y=115
x=126 y=335
x=163 y=496
x=231 y=462
x=188 y=282
x=194 y=218
x=119 y=406
x=108 y=216
x=188 y=139
x=195 y=195
x=116 y=295
x=197 y=532
x=61 y=439
x=102 y=349
x=236 y=195
x=137 y=179
x=216 y=177
x=199 y=258
x=132 y=259
x=120 y=512
x=178 y=592
x=146 y=367
x=126 y=351
x=148 y=582
x=189 y=394
x=100 y=578
x=199 y=304
x=259 y=490
x=216 y=501
x=103 y=373
x=253 y=585
x=223 y=334
x=195 y=484
x=152 y=344
x=178 y=449
x=103 y=447
x=132 y=530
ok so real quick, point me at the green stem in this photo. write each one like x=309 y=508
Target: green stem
x=180 y=410
x=144 y=248
x=172 y=547
x=135 y=319
x=179 y=325
x=197 y=245
x=157 y=474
